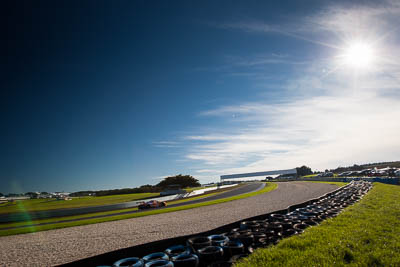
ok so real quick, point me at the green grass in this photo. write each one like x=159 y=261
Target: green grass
x=335 y=183
x=309 y=176
x=116 y=212
x=315 y=176
x=365 y=234
x=30 y=205
x=269 y=187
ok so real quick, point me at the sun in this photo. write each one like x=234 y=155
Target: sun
x=358 y=55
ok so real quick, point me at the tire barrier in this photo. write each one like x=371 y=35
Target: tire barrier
x=225 y=245
x=134 y=262
x=183 y=260
x=157 y=256
x=177 y=250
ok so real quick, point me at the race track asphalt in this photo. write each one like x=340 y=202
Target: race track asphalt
x=251 y=187
x=53 y=247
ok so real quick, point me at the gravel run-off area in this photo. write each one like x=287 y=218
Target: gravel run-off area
x=65 y=245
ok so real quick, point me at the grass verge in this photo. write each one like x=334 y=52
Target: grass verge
x=365 y=234
x=335 y=183
x=269 y=187
x=103 y=213
x=89 y=215
x=31 y=205
x=309 y=176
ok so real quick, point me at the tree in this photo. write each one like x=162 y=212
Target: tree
x=1 y=195
x=303 y=170
x=31 y=194
x=182 y=180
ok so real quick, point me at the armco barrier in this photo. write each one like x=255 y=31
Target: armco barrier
x=144 y=249
x=202 y=191
x=385 y=180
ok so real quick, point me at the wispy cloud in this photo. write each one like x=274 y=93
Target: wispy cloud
x=364 y=21
x=253 y=66
x=338 y=117
x=260 y=60
x=321 y=132
x=295 y=29
x=253 y=27
x=164 y=144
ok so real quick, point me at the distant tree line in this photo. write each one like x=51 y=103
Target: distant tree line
x=182 y=181
x=355 y=167
x=301 y=171
x=14 y=195
x=143 y=189
x=304 y=170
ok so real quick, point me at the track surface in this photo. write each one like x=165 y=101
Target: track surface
x=235 y=192
x=70 y=244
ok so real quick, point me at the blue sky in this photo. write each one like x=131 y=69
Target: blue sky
x=99 y=96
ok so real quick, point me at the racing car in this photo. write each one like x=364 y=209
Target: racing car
x=151 y=204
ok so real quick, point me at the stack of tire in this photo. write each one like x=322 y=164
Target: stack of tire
x=223 y=249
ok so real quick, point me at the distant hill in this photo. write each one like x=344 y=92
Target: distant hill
x=379 y=165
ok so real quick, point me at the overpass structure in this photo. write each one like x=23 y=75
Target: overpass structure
x=255 y=174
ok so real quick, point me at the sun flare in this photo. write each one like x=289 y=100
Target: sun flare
x=359 y=55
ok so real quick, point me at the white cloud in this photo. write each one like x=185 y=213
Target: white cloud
x=262 y=59
x=164 y=144
x=322 y=132
x=253 y=26
x=360 y=20
x=339 y=116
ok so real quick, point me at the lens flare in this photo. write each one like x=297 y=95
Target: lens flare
x=359 y=55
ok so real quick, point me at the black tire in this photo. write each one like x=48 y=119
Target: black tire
x=198 y=242
x=155 y=257
x=184 y=260
x=163 y=263
x=133 y=261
